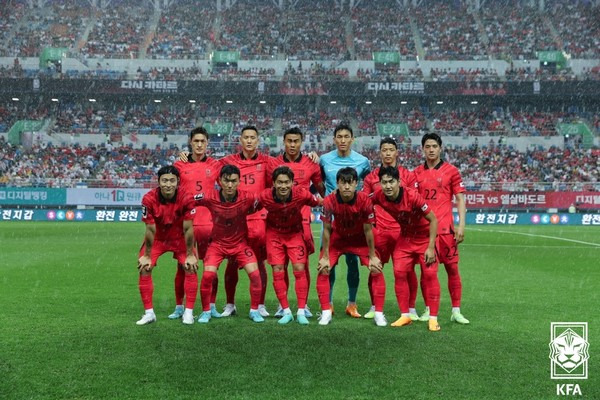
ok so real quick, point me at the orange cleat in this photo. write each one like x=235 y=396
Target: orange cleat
x=433 y=325
x=352 y=311
x=402 y=321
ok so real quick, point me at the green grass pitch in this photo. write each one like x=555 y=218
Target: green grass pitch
x=69 y=302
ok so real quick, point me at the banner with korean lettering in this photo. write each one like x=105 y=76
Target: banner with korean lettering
x=105 y=197
x=532 y=200
x=70 y=215
x=32 y=196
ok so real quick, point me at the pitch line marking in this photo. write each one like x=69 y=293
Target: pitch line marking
x=541 y=236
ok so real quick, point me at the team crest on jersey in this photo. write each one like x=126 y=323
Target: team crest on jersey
x=207 y=171
x=259 y=167
x=144 y=212
x=301 y=173
x=424 y=208
x=193 y=211
x=372 y=215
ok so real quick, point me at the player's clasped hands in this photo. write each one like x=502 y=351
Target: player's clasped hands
x=191 y=263
x=429 y=256
x=144 y=263
x=323 y=266
x=375 y=264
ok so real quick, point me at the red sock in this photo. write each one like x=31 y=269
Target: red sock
x=401 y=287
x=432 y=290
x=146 y=290
x=286 y=278
x=231 y=281
x=206 y=289
x=378 y=291
x=323 y=291
x=280 y=288
x=370 y=285
x=179 y=282
x=413 y=288
x=263 y=281
x=307 y=273
x=301 y=288
x=215 y=287
x=255 y=289
x=454 y=284
x=191 y=290
x=423 y=287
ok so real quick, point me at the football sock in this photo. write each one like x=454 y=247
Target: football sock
x=401 y=288
x=263 y=281
x=179 y=285
x=412 y=310
x=301 y=288
x=331 y=283
x=413 y=287
x=149 y=311
x=146 y=290
x=255 y=289
x=353 y=277
x=206 y=289
x=455 y=310
x=191 y=290
x=454 y=284
x=286 y=277
x=378 y=291
x=307 y=273
x=370 y=285
x=323 y=291
x=231 y=281
x=432 y=292
x=280 y=288
x=215 y=288
x=300 y=311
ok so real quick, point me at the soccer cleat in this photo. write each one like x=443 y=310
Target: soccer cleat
x=263 y=311
x=229 y=310
x=433 y=325
x=147 y=318
x=425 y=316
x=402 y=321
x=279 y=312
x=380 y=320
x=177 y=313
x=325 y=317
x=301 y=319
x=458 y=317
x=307 y=312
x=286 y=318
x=413 y=317
x=213 y=312
x=256 y=317
x=204 y=317
x=187 y=318
x=352 y=311
x=370 y=314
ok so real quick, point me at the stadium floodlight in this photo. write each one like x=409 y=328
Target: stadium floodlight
x=229 y=101
x=474 y=102
x=263 y=102
x=368 y=102
x=439 y=102
x=192 y=101
x=15 y=99
x=403 y=102
x=333 y=102
x=157 y=101
x=92 y=100
x=54 y=99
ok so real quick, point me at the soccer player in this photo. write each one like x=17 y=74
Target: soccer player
x=416 y=245
x=347 y=218
x=438 y=181
x=387 y=229
x=198 y=173
x=285 y=238
x=229 y=208
x=331 y=163
x=168 y=212
x=306 y=171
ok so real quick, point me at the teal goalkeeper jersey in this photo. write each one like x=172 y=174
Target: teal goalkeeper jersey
x=331 y=163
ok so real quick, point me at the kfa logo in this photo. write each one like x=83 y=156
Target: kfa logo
x=569 y=350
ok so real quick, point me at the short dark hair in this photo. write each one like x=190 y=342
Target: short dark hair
x=346 y=175
x=283 y=170
x=388 y=140
x=168 y=169
x=341 y=127
x=249 y=128
x=390 y=171
x=431 y=136
x=199 y=130
x=293 y=131
x=229 y=169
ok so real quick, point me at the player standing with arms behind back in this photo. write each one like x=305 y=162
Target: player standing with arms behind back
x=438 y=182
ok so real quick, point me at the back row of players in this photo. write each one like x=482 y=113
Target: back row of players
x=250 y=208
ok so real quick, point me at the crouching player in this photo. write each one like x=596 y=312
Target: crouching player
x=168 y=213
x=285 y=238
x=229 y=208
x=348 y=218
x=416 y=245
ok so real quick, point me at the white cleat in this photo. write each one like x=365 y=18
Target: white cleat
x=263 y=311
x=307 y=312
x=325 y=317
x=147 y=318
x=279 y=312
x=380 y=320
x=187 y=317
x=229 y=310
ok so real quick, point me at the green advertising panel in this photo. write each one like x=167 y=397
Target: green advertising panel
x=219 y=128
x=382 y=57
x=52 y=54
x=32 y=196
x=225 y=56
x=552 y=57
x=578 y=128
x=392 y=129
x=14 y=134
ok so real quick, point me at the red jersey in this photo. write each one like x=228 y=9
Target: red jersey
x=371 y=183
x=347 y=219
x=198 y=176
x=167 y=215
x=305 y=171
x=229 y=217
x=286 y=217
x=253 y=174
x=438 y=185
x=409 y=209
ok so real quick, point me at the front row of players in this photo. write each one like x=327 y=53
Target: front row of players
x=347 y=217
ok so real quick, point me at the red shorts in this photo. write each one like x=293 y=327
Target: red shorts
x=385 y=242
x=339 y=246
x=240 y=253
x=159 y=248
x=256 y=232
x=446 y=249
x=202 y=236
x=410 y=251
x=282 y=247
